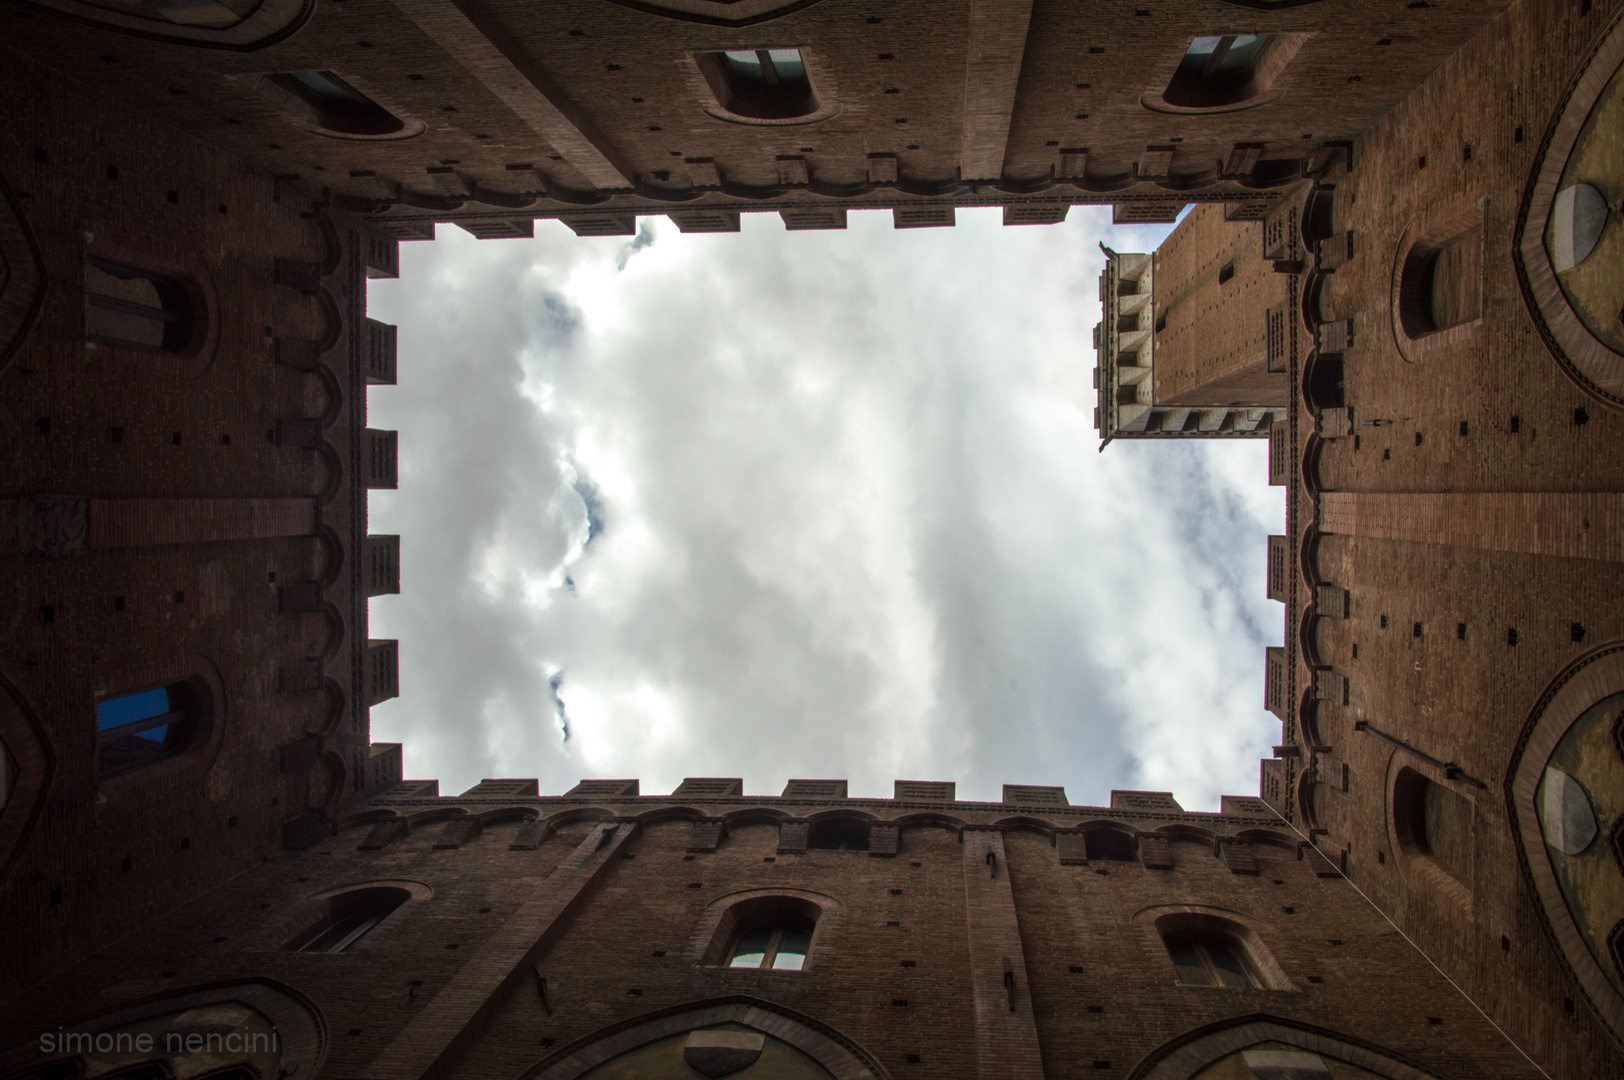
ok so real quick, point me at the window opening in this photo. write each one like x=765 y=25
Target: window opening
x=211 y=14
x=1441 y=284
x=138 y=729
x=1434 y=821
x=1109 y=845
x=337 y=105
x=352 y=917
x=1210 y=961
x=1221 y=70
x=772 y=949
x=763 y=84
x=127 y=306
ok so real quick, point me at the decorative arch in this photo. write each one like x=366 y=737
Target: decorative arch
x=717 y=922
x=1163 y=923
x=1572 y=292
x=22 y=291
x=1025 y=823
x=31 y=766
x=240 y=27
x=1188 y=1055
x=930 y=819
x=1565 y=794
x=580 y=815
x=843 y=1057
x=756 y=815
x=256 y=1007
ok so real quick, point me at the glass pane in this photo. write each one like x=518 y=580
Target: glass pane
x=743 y=56
x=341 y=934
x=1242 y=54
x=1231 y=971
x=155 y=734
x=751 y=951
x=787 y=65
x=121 y=283
x=1202 y=46
x=792 y=951
x=131 y=708
x=784 y=56
x=1191 y=972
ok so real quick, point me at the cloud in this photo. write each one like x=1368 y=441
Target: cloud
x=805 y=504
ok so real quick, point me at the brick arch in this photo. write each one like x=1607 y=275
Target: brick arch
x=663 y=814
x=756 y=815
x=31 y=754
x=842 y=1056
x=930 y=819
x=1187 y=1054
x=23 y=292
x=580 y=815
x=1155 y=921
x=1025 y=823
x=1584 y=683
x=300 y=1029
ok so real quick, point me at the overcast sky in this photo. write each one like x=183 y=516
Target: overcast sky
x=818 y=504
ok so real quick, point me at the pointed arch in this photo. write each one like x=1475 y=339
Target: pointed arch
x=1186 y=1055
x=842 y=1056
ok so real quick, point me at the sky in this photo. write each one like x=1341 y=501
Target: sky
x=806 y=505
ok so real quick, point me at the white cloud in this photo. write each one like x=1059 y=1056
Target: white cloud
x=853 y=521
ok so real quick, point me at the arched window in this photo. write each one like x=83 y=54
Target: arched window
x=772 y=948
x=138 y=729
x=838 y=834
x=1217 y=71
x=349 y=917
x=1210 y=958
x=1226 y=71
x=214 y=14
x=760 y=84
x=1441 y=284
x=330 y=104
x=125 y=305
x=1434 y=822
x=765 y=933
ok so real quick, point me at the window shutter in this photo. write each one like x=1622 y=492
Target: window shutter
x=882 y=840
x=792 y=170
x=381 y=340
x=1029 y=795
x=458 y=832
x=1242 y=159
x=792 y=837
x=1336 y=423
x=504 y=788
x=1072 y=848
x=1280 y=231
x=383 y=834
x=1155 y=852
x=882 y=168
x=709 y=787
x=706 y=834
x=1151 y=212
x=1073 y=164
x=1278 y=343
x=1237 y=855
x=1331 y=602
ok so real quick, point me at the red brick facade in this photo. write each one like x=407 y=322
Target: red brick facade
x=192 y=515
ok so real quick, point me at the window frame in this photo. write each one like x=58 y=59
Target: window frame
x=729 y=920
x=302 y=104
x=186 y=722
x=770 y=953
x=724 y=98
x=1201 y=943
x=179 y=306
x=1216 y=92
x=368 y=905
x=272 y=21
